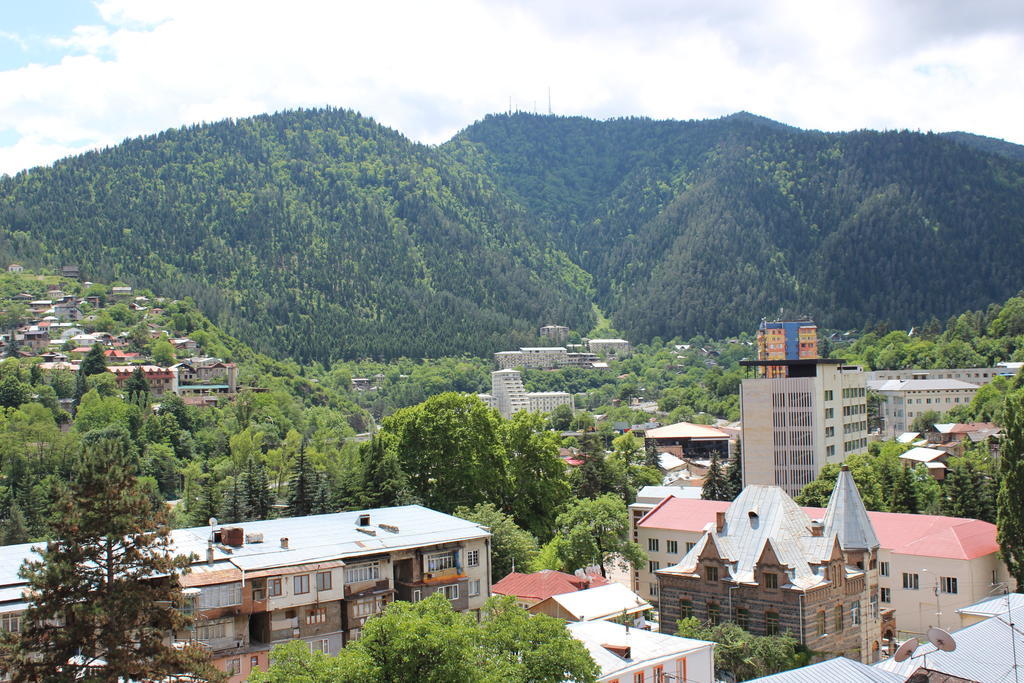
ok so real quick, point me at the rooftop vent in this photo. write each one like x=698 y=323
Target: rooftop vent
x=233 y=536
x=364 y=520
x=817 y=528
x=284 y=542
x=389 y=527
x=720 y=520
x=624 y=651
x=366 y=530
x=254 y=537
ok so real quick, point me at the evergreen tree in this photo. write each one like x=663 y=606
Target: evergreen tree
x=385 y=483
x=716 y=485
x=1010 y=503
x=209 y=502
x=234 y=509
x=104 y=592
x=734 y=473
x=94 y=362
x=15 y=528
x=137 y=388
x=257 y=490
x=904 y=493
x=302 y=488
x=322 y=497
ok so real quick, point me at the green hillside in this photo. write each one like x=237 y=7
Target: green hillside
x=320 y=235
x=312 y=234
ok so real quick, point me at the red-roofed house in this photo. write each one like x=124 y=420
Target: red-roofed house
x=928 y=564
x=161 y=380
x=530 y=589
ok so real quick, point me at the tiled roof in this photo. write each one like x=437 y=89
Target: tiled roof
x=925 y=535
x=543 y=584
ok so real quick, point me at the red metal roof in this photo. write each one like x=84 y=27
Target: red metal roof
x=543 y=584
x=926 y=535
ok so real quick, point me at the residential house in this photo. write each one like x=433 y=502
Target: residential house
x=206 y=375
x=120 y=292
x=161 y=380
x=529 y=589
x=765 y=565
x=70 y=271
x=67 y=310
x=631 y=655
x=906 y=399
x=559 y=334
x=15 y=268
x=315 y=578
x=615 y=348
x=689 y=441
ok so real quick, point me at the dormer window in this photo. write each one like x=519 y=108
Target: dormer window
x=771 y=580
x=711 y=573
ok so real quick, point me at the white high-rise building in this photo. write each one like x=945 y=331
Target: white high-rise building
x=794 y=425
x=509 y=396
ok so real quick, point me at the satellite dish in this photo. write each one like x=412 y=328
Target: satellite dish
x=905 y=650
x=213 y=521
x=941 y=639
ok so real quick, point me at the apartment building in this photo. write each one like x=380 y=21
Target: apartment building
x=794 y=424
x=617 y=348
x=786 y=340
x=509 y=396
x=929 y=566
x=536 y=357
x=905 y=399
x=979 y=376
x=315 y=578
x=558 y=334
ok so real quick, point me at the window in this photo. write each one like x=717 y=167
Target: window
x=417 y=595
x=259 y=589
x=652 y=545
x=234 y=666
x=828 y=395
x=653 y=589
x=319 y=646
x=910 y=581
x=689 y=546
x=947 y=584
x=771 y=623
x=274 y=586
x=316 y=616
x=10 y=622
x=820 y=627
x=771 y=580
x=638 y=677
x=212 y=630
x=874 y=606
x=300 y=584
x=473 y=558
x=323 y=581
x=474 y=588
x=441 y=561
x=711 y=573
x=685 y=609
x=254 y=662
x=743 y=618
x=653 y=566
x=451 y=592
x=362 y=572
x=855 y=613
x=220 y=595
x=886 y=595
x=368 y=606
x=672 y=547
x=883 y=568
x=839 y=618
x=714 y=613
x=830 y=413
x=659 y=674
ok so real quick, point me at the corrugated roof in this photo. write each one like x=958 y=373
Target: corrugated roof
x=646 y=647
x=919 y=385
x=983 y=653
x=685 y=430
x=997 y=604
x=600 y=602
x=839 y=669
x=846 y=516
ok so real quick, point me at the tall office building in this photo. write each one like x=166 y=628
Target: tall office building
x=793 y=424
x=786 y=340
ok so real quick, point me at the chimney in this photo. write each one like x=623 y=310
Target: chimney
x=364 y=520
x=209 y=554
x=817 y=528
x=844 y=468
x=284 y=542
x=720 y=520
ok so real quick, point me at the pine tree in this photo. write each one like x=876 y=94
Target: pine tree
x=1010 y=502
x=15 y=528
x=209 y=502
x=137 y=388
x=385 y=483
x=716 y=486
x=234 y=509
x=104 y=592
x=302 y=487
x=257 y=490
x=904 y=494
x=734 y=473
x=322 y=499
x=94 y=362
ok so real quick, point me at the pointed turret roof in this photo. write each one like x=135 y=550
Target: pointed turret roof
x=847 y=516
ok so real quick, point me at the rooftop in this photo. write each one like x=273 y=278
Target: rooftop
x=838 y=669
x=919 y=385
x=600 y=602
x=996 y=605
x=686 y=430
x=645 y=647
x=922 y=454
x=544 y=584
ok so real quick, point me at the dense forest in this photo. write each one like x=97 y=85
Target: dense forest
x=321 y=235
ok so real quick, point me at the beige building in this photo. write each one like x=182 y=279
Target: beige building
x=559 y=334
x=959 y=557
x=536 y=357
x=977 y=376
x=509 y=397
x=905 y=399
x=794 y=425
x=617 y=348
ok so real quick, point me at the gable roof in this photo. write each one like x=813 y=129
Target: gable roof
x=646 y=647
x=543 y=584
x=602 y=602
x=685 y=430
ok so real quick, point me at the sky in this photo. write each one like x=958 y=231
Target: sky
x=78 y=75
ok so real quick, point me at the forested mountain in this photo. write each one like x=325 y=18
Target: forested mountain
x=705 y=226
x=319 y=234
x=312 y=234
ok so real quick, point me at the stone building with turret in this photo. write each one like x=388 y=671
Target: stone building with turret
x=768 y=567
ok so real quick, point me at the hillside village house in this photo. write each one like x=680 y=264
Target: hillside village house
x=917 y=554
x=315 y=578
x=530 y=589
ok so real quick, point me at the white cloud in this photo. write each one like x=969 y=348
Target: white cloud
x=429 y=69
